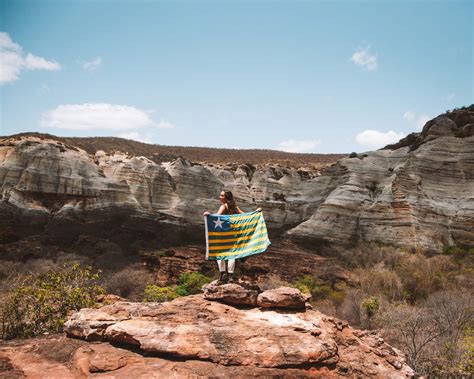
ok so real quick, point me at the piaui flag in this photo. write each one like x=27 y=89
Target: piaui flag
x=235 y=236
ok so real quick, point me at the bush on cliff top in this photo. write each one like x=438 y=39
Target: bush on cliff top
x=41 y=304
x=320 y=290
x=154 y=293
x=189 y=283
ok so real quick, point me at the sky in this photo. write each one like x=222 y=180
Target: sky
x=299 y=76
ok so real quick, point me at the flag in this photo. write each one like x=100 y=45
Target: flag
x=235 y=236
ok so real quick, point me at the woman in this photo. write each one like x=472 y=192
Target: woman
x=227 y=207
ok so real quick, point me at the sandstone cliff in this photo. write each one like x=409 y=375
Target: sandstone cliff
x=418 y=193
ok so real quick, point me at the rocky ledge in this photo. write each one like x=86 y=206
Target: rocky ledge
x=195 y=336
x=243 y=293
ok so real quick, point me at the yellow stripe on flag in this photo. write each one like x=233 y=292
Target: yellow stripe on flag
x=237 y=225
x=236 y=238
x=236 y=247
x=239 y=252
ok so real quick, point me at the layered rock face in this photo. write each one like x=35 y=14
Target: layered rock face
x=417 y=193
x=247 y=341
x=49 y=187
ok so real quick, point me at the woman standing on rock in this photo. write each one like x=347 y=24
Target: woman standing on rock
x=228 y=207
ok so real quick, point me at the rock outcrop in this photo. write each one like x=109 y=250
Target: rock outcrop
x=417 y=193
x=244 y=293
x=232 y=293
x=65 y=358
x=221 y=338
x=283 y=297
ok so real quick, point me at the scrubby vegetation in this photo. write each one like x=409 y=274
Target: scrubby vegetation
x=320 y=290
x=422 y=304
x=154 y=293
x=40 y=304
x=129 y=283
x=160 y=153
x=189 y=283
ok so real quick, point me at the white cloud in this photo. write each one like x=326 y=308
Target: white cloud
x=135 y=136
x=92 y=65
x=163 y=124
x=299 y=146
x=363 y=58
x=10 y=66
x=409 y=116
x=91 y=116
x=450 y=97
x=422 y=120
x=375 y=139
x=13 y=61
x=32 y=62
x=7 y=43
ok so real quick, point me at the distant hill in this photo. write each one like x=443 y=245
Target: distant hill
x=161 y=153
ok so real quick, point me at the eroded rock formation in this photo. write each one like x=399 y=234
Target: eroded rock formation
x=417 y=193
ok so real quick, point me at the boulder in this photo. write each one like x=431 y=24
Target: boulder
x=283 y=297
x=232 y=293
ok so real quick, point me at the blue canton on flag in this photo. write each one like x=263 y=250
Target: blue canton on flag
x=235 y=236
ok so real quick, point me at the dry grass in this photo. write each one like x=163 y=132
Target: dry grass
x=129 y=282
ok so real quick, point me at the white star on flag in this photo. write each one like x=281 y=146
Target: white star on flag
x=218 y=223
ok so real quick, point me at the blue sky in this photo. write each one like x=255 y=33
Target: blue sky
x=309 y=76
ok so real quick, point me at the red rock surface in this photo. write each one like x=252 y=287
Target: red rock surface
x=224 y=340
x=193 y=337
x=283 y=297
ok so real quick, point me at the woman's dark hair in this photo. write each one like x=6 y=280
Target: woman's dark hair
x=229 y=199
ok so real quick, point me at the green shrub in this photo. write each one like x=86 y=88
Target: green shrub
x=181 y=290
x=319 y=290
x=154 y=293
x=190 y=283
x=41 y=304
x=353 y=155
x=460 y=254
x=303 y=288
x=308 y=284
x=337 y=296
x=370 y=305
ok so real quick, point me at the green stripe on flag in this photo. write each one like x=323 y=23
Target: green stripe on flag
x=243 y=233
